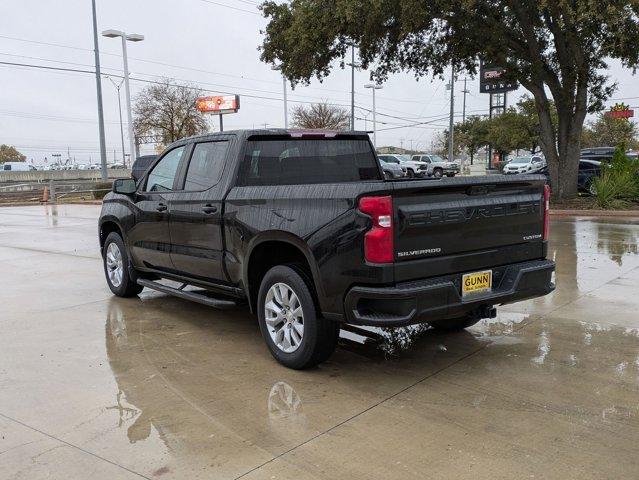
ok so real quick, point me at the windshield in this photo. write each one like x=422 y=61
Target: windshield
x=521 y=160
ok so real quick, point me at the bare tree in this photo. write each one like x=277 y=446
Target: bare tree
x=321 y=116
x=166 y=112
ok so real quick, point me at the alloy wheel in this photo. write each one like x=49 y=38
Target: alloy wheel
x=114 y=264
x=284 y=317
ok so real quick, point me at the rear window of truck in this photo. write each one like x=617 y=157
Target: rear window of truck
x=303 y=161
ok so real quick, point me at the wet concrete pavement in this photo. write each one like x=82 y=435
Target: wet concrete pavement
x=93 y=386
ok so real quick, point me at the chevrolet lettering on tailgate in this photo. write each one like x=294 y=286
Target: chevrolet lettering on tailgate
x=460 y=215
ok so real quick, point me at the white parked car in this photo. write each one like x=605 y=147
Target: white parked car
x=532 y=164
x=17 y=167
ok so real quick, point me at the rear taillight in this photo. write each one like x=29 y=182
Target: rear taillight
x=546 y=211
x=378 y=241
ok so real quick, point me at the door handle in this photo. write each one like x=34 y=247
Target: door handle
x=161 y=207
x=208 y=208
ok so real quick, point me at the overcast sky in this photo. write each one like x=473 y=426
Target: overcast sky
x=210 y=43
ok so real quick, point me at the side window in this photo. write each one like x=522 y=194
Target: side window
x=426 y=159
x=161 y=177
x=206 y=165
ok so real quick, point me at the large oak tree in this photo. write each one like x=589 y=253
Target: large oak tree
x=556 y=49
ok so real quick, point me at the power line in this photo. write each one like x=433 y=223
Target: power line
x=229 y=6
x=262 y=97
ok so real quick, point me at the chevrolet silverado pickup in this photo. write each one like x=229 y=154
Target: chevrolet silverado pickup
x=303 y=228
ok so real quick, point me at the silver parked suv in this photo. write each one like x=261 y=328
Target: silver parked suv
x=437 y=166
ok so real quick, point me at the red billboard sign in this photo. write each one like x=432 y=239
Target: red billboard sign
x=620 y=110
x=218 y=104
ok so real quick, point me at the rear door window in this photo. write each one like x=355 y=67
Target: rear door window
x=206 y=165
x=303 y=161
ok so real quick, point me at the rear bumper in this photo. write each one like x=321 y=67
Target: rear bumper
x=439 y=298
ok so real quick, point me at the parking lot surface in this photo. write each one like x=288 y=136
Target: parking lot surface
x=93 y=386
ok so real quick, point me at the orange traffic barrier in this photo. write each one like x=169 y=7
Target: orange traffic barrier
x=45 y=195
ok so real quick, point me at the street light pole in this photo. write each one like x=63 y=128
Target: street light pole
x=374 y=87
x=98 y=85
x=127 y=91
x=117 y=87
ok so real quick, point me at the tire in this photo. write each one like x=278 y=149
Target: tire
x=438 y=172
x=410 y=173
x=319 y=336
x=455 y=324
x=592 y=190
x=122 y=285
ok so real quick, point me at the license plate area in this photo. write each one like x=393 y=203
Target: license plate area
x=477 y=282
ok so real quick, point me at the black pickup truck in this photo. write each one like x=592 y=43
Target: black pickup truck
x=302 y=227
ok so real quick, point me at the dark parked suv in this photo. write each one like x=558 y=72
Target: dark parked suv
x=303 y=228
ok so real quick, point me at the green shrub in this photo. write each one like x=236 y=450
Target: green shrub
x=618 y=184
x=100 y=189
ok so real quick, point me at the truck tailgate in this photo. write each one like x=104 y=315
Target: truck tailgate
x=436 y=218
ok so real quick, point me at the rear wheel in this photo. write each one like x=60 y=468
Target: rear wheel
x=294 y=332
x=455 y=324
x=116 y=267
x=592 y=189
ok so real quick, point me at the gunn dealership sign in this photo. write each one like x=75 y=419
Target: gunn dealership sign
x=491 y=80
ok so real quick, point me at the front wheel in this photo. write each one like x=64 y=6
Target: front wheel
x=294 y=332
x=410 y=173
x=116 y=267
x=438 y=172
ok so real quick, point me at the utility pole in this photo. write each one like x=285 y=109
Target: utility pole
x=451 y=125
x=352 y=87
x=285 y=103
x=277 y=68
x=465 y=92
x=98 y=85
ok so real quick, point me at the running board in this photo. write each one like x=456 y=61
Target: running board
x=187 y=295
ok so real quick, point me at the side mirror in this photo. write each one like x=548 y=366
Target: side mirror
x=124 y=186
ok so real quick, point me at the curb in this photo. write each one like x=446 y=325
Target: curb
x=595 y=213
